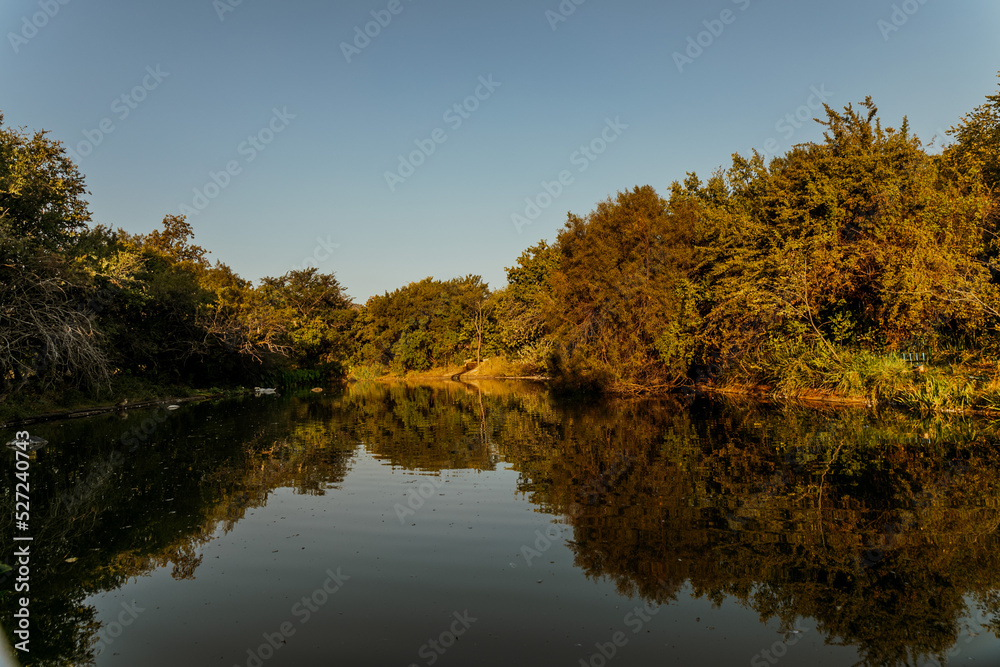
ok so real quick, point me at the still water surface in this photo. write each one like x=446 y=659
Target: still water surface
x=490 y=524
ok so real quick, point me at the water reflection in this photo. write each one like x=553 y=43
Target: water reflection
x=882 y=531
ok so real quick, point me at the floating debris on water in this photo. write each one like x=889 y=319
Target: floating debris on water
x=30 y=445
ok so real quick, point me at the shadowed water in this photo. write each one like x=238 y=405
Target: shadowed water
x=491 y=524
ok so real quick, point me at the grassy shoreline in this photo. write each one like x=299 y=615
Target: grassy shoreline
x=863 y=379
x=857 y=380
x=70 y=403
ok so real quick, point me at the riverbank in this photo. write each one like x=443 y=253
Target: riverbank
x=104 y=409
x=863 y=379
x=29 y=408
x=487 y=369
x=862 y=383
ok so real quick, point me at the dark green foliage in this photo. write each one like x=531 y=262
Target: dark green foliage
x=861 y=242
x=94 y=308
x=978 y=141
x=41 y=190
x=798 y=273
x=424 y=325
x=522 y=331
x=44 y=336
x=864 y=243
x=311 y=316
x=622 y=303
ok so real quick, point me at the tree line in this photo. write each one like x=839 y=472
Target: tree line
x=808 y=268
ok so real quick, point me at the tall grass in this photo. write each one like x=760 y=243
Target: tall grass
x=504 y=367
x=848 y=373
x=797 y=370
x=292 y=377
x=366 y=372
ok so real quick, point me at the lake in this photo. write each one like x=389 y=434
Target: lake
x=495 y=524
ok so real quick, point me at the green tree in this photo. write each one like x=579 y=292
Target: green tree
x=45 y=335
x=425 y=324
x=978 y=141
x=522 y=304
x=623 y=306
x=311 y=314
x=41 y=190
x=859 y=241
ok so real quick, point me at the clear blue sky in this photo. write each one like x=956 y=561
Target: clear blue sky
x=221 y=70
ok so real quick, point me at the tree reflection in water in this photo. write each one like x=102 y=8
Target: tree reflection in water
x=881 y=529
